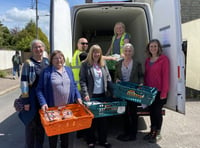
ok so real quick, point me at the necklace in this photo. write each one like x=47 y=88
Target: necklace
x=126 y=63
x=98 y=70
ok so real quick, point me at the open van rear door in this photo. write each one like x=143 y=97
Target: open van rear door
x=167 y=28
x=60 y=28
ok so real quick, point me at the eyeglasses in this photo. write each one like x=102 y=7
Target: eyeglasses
x=35 y=47
x=83 y=43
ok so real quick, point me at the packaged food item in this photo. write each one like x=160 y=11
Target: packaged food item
x=52 y=115
x=66 y=113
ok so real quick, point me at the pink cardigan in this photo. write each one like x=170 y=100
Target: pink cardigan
x=157 y=74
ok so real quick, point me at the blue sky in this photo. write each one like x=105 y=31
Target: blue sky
x=17 y=13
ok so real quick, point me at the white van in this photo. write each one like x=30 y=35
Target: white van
x=95 y=21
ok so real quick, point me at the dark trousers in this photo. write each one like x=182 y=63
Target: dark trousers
x=99 y=124
x=53 y=140
x=131 y=119
x=156 y=116
x=34 y=133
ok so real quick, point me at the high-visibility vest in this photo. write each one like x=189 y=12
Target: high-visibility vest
x=121 y=42
x=75 y=65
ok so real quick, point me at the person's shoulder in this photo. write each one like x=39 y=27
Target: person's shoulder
x=28 y=61
x=45 y=60
x=162 y=56
x=127 y=35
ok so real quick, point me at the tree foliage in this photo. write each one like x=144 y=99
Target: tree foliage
x=23 y=39
x=5 y=37
x=20 y=39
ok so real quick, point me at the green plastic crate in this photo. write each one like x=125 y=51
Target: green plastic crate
x=103 y=107
x=134 y=92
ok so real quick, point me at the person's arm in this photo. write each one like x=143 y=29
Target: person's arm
x=117 y=77
x=13 y=59
x=140 y=74
x=20 y=60
x=40 y=91
x=24 y=85
x=83 y=81
x=109 y=58
x=165 y=78
x=77 y=94
x=109 y=50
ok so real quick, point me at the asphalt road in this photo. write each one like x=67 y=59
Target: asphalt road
x=179 y=131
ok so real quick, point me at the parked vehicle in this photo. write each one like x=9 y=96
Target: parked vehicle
x=96 y=21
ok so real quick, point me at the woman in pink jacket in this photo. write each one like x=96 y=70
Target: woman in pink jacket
x=156 y=75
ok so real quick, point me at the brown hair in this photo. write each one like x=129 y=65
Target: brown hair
x=54 y=53
x=159 y=47
x=89 y=58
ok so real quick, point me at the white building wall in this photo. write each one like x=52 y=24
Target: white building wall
x=6 y=59
x=191 y=33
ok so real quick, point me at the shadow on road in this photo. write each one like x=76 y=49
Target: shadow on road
x=12 y=134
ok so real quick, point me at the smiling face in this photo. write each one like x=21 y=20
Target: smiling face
x=38 y=50
x=153 y=48
x=58 y=61
x=119 y=29
x=128 y=52
x=82 y=44
x=96 y=56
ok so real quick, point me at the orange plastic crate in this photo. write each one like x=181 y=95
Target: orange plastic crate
x=81 y=119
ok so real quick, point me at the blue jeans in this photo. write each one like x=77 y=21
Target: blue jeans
x=34 y=133
x=16 y=68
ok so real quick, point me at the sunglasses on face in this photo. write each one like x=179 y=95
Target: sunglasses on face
x=84 y=43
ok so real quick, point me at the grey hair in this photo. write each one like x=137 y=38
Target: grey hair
x=128 y=45
x=37 y=41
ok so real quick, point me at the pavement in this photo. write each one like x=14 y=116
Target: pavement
x=178 y=131
x=8 y=84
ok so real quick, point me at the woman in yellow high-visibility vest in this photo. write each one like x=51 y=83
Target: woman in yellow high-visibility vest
x=118 y=40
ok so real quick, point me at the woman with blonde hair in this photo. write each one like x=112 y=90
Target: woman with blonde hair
x=95 y=81
x=119 y=38
x=129 y=70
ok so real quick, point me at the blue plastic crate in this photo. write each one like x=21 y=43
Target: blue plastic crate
x=134 y=92
x=106 y=106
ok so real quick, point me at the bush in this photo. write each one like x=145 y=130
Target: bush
x=3 y=74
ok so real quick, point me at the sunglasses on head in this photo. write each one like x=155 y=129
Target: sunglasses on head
x=83 y=43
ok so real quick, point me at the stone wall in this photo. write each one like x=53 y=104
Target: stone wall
x=190 y=10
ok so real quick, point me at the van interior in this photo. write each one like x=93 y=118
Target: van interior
x=97 y=24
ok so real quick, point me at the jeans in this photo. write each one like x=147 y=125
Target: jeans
x=16 y=68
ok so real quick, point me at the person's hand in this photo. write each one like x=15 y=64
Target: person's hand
x=118 y=80
x=79 y=100
x=27 y=107
x=87 y=98
x=44 y=107
x=122 y=56
x=141 y=84
x=113 y=58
